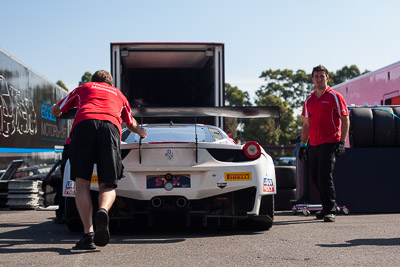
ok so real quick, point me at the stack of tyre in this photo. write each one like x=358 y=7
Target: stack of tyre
x=3 y=194
x=375 y=127
x=286 y=186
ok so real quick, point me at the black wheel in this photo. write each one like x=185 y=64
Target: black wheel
x=74 y=224
x=265 y=220
x=361 y=127
x=396 y=111
x=384 y=127
x=285 y=177
x=72 y=219
x=284 y=198
x=70 y=208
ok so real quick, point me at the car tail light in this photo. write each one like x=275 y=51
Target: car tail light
x=252 y=150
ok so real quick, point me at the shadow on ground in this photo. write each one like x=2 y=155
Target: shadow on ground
x=365 y=242
x=26 y=237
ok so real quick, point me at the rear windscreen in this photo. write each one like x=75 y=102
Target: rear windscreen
x=171 y=134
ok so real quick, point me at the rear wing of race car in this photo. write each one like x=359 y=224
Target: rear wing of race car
x=232 y=112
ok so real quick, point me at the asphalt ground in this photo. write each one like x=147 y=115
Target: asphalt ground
x=31 y=238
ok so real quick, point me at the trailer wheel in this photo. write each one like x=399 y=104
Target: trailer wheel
x=396 y=111
x=384 y=127
x=361 y=127
x=306 y=212
x=346 y=211
x=285 y=176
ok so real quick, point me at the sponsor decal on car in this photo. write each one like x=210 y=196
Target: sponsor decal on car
x=95 y=179
x=237 y=176
x=268 y=185
x=69 y=188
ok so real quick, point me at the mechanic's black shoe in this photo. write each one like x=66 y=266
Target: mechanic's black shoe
x=320 y=215
x=86 y=242
x=102 y=233
x=329 y=218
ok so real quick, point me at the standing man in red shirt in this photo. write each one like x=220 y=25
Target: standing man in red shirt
x=95 y=138
x=325 y=126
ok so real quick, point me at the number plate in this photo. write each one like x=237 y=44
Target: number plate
x=159 y=181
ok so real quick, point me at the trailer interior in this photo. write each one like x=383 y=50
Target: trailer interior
x=169 y=76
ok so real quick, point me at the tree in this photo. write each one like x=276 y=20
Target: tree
x=87 y=77
x=62 y=85
x=291 y=87
x=303 y=86
x=287 y=90
x=345 y=74
x=264 y=131
x=234 y=97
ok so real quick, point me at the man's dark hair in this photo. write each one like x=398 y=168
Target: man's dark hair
x=319 y=68
x=101 y=76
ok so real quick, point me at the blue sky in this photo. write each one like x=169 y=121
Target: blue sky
x=63 y=39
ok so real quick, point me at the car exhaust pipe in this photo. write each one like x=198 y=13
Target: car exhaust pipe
x=181 y=202
x=156 y=202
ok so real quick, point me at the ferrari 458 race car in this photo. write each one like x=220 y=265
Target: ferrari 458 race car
x=195 y=175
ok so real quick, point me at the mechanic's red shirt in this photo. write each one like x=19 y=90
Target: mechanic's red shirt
x=324 y=114
x=98 y=101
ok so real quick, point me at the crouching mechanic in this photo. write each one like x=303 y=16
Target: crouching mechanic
x=326 y=126
x=95 y=138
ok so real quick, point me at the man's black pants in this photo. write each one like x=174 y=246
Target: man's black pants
x=320 y=165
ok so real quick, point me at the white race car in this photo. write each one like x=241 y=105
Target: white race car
x=195 y=175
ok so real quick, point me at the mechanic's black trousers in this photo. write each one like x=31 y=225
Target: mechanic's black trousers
x=320 y=165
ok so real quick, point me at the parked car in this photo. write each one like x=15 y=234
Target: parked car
x=285 y=161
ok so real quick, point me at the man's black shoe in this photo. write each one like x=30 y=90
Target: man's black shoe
x=329 y=218
x=86 y=242
x=102 y=233
x=320 y=215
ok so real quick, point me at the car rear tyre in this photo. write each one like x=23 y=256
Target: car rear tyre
x=74 y=224
x=72 y=218
x=262 y=223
